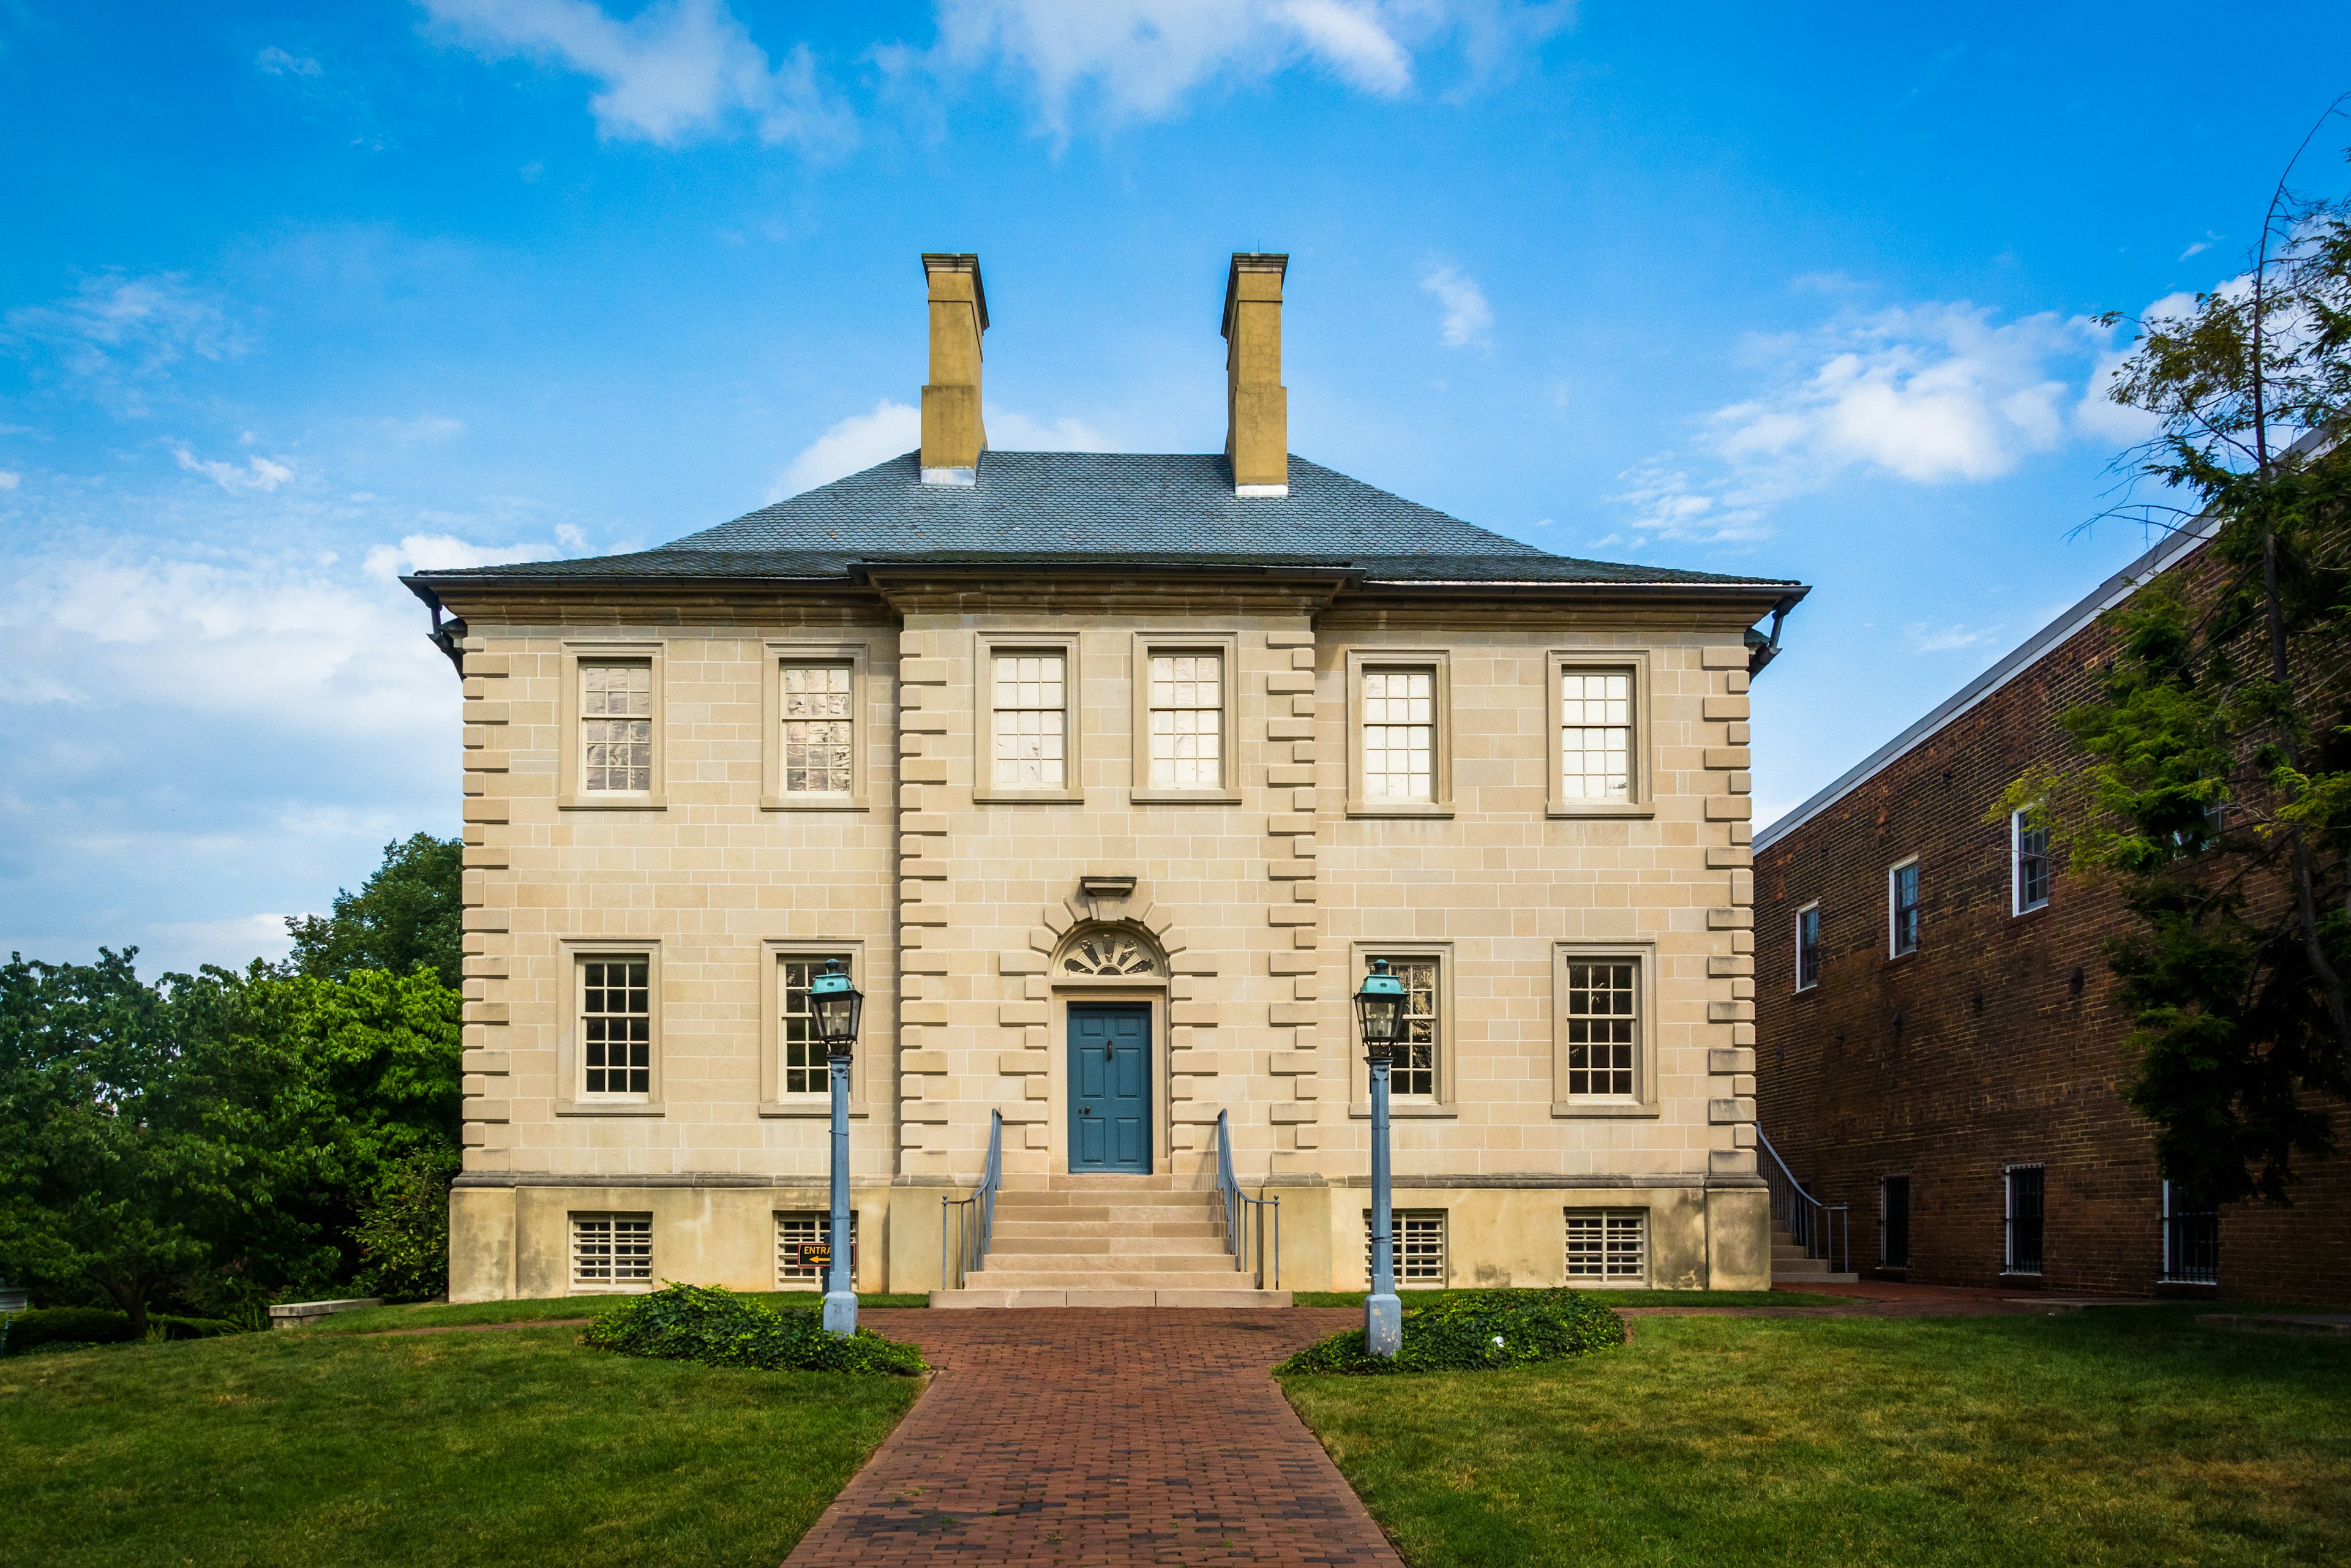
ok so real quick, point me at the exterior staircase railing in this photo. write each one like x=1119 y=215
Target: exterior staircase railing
x=1822 y=1229
x=973 y=1217
x=1246 y=1218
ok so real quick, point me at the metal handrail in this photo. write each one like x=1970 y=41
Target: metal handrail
x=1807 y=1220
x=974 y=1216
x=1245 y=1217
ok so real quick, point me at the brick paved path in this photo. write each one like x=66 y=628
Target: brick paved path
x=1087 y=1438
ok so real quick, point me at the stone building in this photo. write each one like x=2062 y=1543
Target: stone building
x=1106 y=774
x=1940 y=1052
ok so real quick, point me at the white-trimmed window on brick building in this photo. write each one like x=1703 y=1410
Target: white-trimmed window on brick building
x=1399 y=734
x=1902 y=907
x=1595 y=735
x=616 y=727
x=1602 y=1017
x=1413 y=1069
x=2192 y=1238
x=1419 y=1247
x=1608 y=1246
x=802 y=1240
x=807 y=1069
x=1031 y=697
x=2024 y=1197
x=616 y=1025
x=611 y=1251
x=1808 y=947
x=2028 y=861
x=819 y=730
x=1186 y=701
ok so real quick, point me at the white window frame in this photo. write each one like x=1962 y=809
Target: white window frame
x=1812 y=983
x=1438 y=662
x=1643 y=1101
x=989 y=646
x=1226 y=647
x=1614 y=1224
x=2016 y=904
x=1427 y=1233
x=818 y=1224
x=780 y=655
x=773 y=955
x=1359 y=957
x=583 y=1279
x=570 y=793
x=1633 y=663
x=572 y=1054
x=1894 y=948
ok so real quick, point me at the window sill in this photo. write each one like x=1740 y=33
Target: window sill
x=611 y=803
x=1026 y=797
x=1566 y=811
x=1410 y=1110
x=1441 y=810
x=819 y=1109
x=1183 y=798
x=2040 y=908
x=1585 y=1282
x=610 y=1108
x=2021 y=1274
x=1601 y=1108
x=643 y=1288
x=1898 y=958
x=812 y=803
x=1806 y=991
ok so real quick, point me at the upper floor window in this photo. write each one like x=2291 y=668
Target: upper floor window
x=819 y=730
x=1412 y=1074
x=1595 y=735
x=1399 y=736
x=616 y=728
x=1031 y=721
x=1902 y=907
x=1187 y=721
x=805 y=1065
x=2027 y=865
x=1808 y=947
x=1603 y=1027
x=616 y=1025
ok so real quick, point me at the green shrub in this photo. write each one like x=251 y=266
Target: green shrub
x=1475 y=1332
x=715 y=1327
x=403 y=1231
x=195 y=1328
x=98 y=1325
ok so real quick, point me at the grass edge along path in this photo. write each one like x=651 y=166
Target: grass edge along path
x=1613 y=1298
x=444 y=1314
x=2121 y=1437
x=497 y=1450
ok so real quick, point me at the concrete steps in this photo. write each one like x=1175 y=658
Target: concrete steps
x=1107 y=1242
x=1791 y=1266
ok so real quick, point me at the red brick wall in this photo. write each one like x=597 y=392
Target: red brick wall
x=1996 y=1043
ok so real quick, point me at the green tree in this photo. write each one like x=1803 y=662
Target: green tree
x=2218 y=787
x=406 y=913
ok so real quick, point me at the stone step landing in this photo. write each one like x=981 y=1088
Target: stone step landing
x=1108 y=1241
x=1791 y=1266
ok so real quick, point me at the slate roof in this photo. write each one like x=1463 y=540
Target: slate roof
x=1096 y=509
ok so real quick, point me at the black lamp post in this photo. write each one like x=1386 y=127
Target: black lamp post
x=1379 y=1011
x=838 y=1007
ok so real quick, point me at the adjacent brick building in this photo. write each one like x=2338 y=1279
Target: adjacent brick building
x=1945 y=1091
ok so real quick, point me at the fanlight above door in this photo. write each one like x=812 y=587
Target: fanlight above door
x=1106 y=954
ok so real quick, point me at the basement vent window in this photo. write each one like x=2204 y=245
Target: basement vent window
x=1608 y=1246
x=611 y=1251
x=1419 y=1246
x=801 y=1240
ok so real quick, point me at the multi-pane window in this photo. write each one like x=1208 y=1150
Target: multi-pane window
x=1416 y=1246
x=2025 y=1187
x=2029 y=881
x=1808 y=947
x=2192 y=1238
x=1399 y=734
x=616 y=1025
x=819 y=731
x=801 y=1240
x=1187 y=721
x=616 y=728
x=612 y=1249
x=1902 y=907
x=806 y=1063
x=1607 y=1245
x=1031 y=721
x=1413 y=1073
x=1604 y=1026
x=1894 y=1222
x=1595 y=735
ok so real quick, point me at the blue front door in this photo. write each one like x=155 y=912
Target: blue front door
x=1110 y=1086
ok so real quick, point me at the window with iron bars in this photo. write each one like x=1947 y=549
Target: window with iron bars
x=2026 y=1188
x=797 y=1232
x=1417 y=1246
x=612 y=1249
x=2191 y=1238
x=1608 y=1246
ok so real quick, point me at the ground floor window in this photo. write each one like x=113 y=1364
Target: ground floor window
x=801 y=1240
x=1894 y=1222
x=1419 y=1246
x=1610 y=1246
x=2191 y=1238
x=612 y=1249
x=2026 y=1188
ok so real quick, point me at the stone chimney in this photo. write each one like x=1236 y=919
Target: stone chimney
x=1257 y=405
x=953 y=436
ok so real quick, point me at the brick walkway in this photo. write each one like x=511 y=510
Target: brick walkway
x=1087 y=1438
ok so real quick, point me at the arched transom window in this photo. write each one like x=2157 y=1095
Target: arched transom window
x=1106 y=951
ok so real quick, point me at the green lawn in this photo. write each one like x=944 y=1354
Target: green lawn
x=2122 y=1435
x=520 y=1448
x=440 y=1314
x=1613 y=1298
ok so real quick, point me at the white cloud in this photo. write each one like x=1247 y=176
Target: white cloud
x=278 y=62
x=1930 y=639
x=1013 y=431
x=1467 y=318
x=117 y=331
x=1137 y=60
x=893 y=429
x=677 y=71
x=447 y=552
x=9 y=479
x=259 y=473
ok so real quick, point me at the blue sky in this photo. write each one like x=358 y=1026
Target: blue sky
x=293 y=299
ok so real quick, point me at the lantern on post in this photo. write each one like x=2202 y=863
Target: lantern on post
x=838 y=1008
x=1379 y=1013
